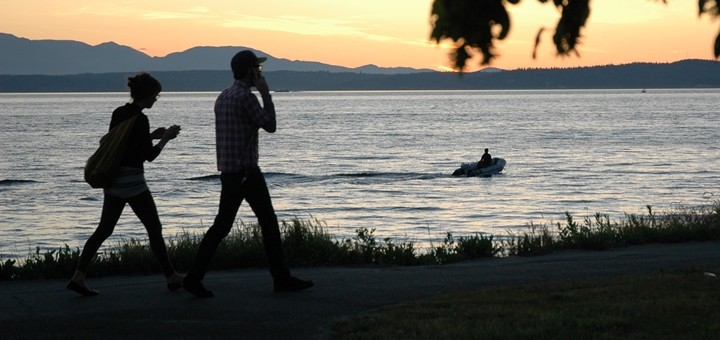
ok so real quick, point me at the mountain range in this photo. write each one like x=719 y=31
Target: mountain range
x=71 y=66
x=21 y=56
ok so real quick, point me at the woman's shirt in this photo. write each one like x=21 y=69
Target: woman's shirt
x=139 y=148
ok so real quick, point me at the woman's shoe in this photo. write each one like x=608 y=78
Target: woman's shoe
x=82 y=290
x=175 y=282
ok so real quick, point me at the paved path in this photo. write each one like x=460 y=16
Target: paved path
x=244 y=306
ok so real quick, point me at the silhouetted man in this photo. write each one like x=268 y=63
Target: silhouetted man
x=238 y=117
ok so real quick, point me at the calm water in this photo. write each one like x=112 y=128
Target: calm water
x=374 y=159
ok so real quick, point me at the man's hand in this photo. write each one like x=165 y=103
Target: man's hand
x=260 y=83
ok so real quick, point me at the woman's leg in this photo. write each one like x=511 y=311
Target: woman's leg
x=112 y=209
x=144 y=207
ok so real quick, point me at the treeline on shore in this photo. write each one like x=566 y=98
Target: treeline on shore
x=682 y=74
x=307 y=243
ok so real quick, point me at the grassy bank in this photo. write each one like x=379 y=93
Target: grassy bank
x=306 y=243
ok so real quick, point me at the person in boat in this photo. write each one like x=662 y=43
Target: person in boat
x=485 y=160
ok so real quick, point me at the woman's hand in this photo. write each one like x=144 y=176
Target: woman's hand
x=158 y=133
x=168 y=134
x=171 y=132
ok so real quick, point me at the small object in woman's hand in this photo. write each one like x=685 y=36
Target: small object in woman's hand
x=173 y=131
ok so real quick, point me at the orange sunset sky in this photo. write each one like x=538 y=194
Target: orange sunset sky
x=353 y=33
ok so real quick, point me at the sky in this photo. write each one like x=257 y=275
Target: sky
x=353 y=33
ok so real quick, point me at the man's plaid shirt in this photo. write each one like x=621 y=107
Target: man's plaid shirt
x=238 y=116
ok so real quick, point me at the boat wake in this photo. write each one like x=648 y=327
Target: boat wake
x=11 y=182
x=371 y=177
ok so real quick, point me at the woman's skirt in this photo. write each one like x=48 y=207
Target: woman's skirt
x=129 y=182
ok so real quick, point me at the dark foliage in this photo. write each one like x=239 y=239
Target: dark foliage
x=471 y=25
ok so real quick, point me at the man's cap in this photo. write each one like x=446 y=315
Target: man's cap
x=245 y=58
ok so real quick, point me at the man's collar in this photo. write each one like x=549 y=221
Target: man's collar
x=241 y=83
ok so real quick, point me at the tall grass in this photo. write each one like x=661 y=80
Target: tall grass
x=599 y=232
x=307 y=243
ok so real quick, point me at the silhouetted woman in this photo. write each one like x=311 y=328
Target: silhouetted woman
x=129 y=185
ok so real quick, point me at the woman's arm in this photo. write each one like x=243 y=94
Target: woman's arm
x=158 y=133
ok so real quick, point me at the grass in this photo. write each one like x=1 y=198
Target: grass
x=677 y=305
x=306 y=243
x=672 y=305
x=599 y=232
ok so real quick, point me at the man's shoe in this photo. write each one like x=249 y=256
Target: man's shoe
x=196 y=288
x=291 y=284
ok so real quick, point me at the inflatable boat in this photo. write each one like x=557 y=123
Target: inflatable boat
x=471 y=169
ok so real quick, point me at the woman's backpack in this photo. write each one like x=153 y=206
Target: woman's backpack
x=102 y=166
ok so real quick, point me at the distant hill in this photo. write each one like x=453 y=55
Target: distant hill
x=64 y=66
x=22 y=56
x=681 y=74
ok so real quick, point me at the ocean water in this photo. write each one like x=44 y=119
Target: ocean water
x=376 y=160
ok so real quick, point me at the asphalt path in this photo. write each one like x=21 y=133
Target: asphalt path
x=245 y=307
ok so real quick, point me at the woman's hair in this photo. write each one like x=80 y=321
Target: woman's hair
x=143 y=85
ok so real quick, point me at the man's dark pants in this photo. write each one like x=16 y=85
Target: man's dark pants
x=249 y=185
